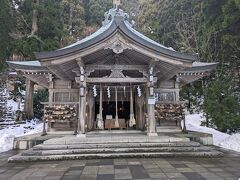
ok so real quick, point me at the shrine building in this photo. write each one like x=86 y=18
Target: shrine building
x=116 y=78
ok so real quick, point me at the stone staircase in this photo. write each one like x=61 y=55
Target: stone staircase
x=139 y=146
x=6 y=114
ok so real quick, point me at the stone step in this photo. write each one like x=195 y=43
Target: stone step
x=114 y=145
x=71 y=140
x=32 y=152
x=20 y=158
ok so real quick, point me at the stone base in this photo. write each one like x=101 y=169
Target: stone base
x=81 y=135
x=152 y=134
x=132 y=145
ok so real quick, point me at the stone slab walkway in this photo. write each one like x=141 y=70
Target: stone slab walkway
x=227 y=167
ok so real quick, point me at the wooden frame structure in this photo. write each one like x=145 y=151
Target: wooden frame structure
x=115 y=56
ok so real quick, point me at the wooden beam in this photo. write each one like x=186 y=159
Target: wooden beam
x=116 y=67
x=35 y=79
x=58 y=72
x=116 y=80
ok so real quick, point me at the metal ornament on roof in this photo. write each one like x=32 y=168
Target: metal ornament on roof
x=109 y=15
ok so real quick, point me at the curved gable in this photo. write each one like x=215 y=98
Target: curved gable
x=115 y=20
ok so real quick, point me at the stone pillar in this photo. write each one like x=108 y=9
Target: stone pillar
x=28 y=105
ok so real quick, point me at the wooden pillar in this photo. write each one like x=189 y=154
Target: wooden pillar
x=101 y=104
x=151 y=119
x=44 y=131
x=82 y=100
x=132 y=118
x=79 y=117
x=116 y=99
x=90 y=101
x=100 y=126
x=151 y=106
x=82 y=111
x=28 y=104
x=177 y=89
x=50 y=97
x=140 y=115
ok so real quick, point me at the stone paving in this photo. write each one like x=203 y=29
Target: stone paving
x=227 y=167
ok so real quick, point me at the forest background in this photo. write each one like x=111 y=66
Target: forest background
x=209 y=28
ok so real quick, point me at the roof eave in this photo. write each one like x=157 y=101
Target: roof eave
x=209 y=67
x=117 y=23
x=42 y=56
x=16 y=65
x=162 y=50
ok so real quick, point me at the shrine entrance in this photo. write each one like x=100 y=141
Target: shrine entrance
x=109 y=114
x=114 y=106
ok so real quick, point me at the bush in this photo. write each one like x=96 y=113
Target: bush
x=222 y=106
x=40 y=95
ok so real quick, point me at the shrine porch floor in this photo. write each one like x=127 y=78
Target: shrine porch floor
x=221 y=168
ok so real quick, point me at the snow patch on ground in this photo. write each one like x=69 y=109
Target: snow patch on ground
x=13 y=105
x=232 y=142
x=7 y=135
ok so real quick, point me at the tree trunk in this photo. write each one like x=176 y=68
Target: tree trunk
x=189 y=100
x=35 y=20
x=28 y=104
x=70 y=22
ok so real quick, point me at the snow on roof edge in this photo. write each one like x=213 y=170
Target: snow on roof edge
x=129 y=26
x=95 y=34
x=26 y=63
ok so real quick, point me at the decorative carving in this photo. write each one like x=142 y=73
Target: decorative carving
x=141 y=68
x=116 y=73
x=118 y=44
x=50 y=77
x=109 y=15
x=144 y=72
